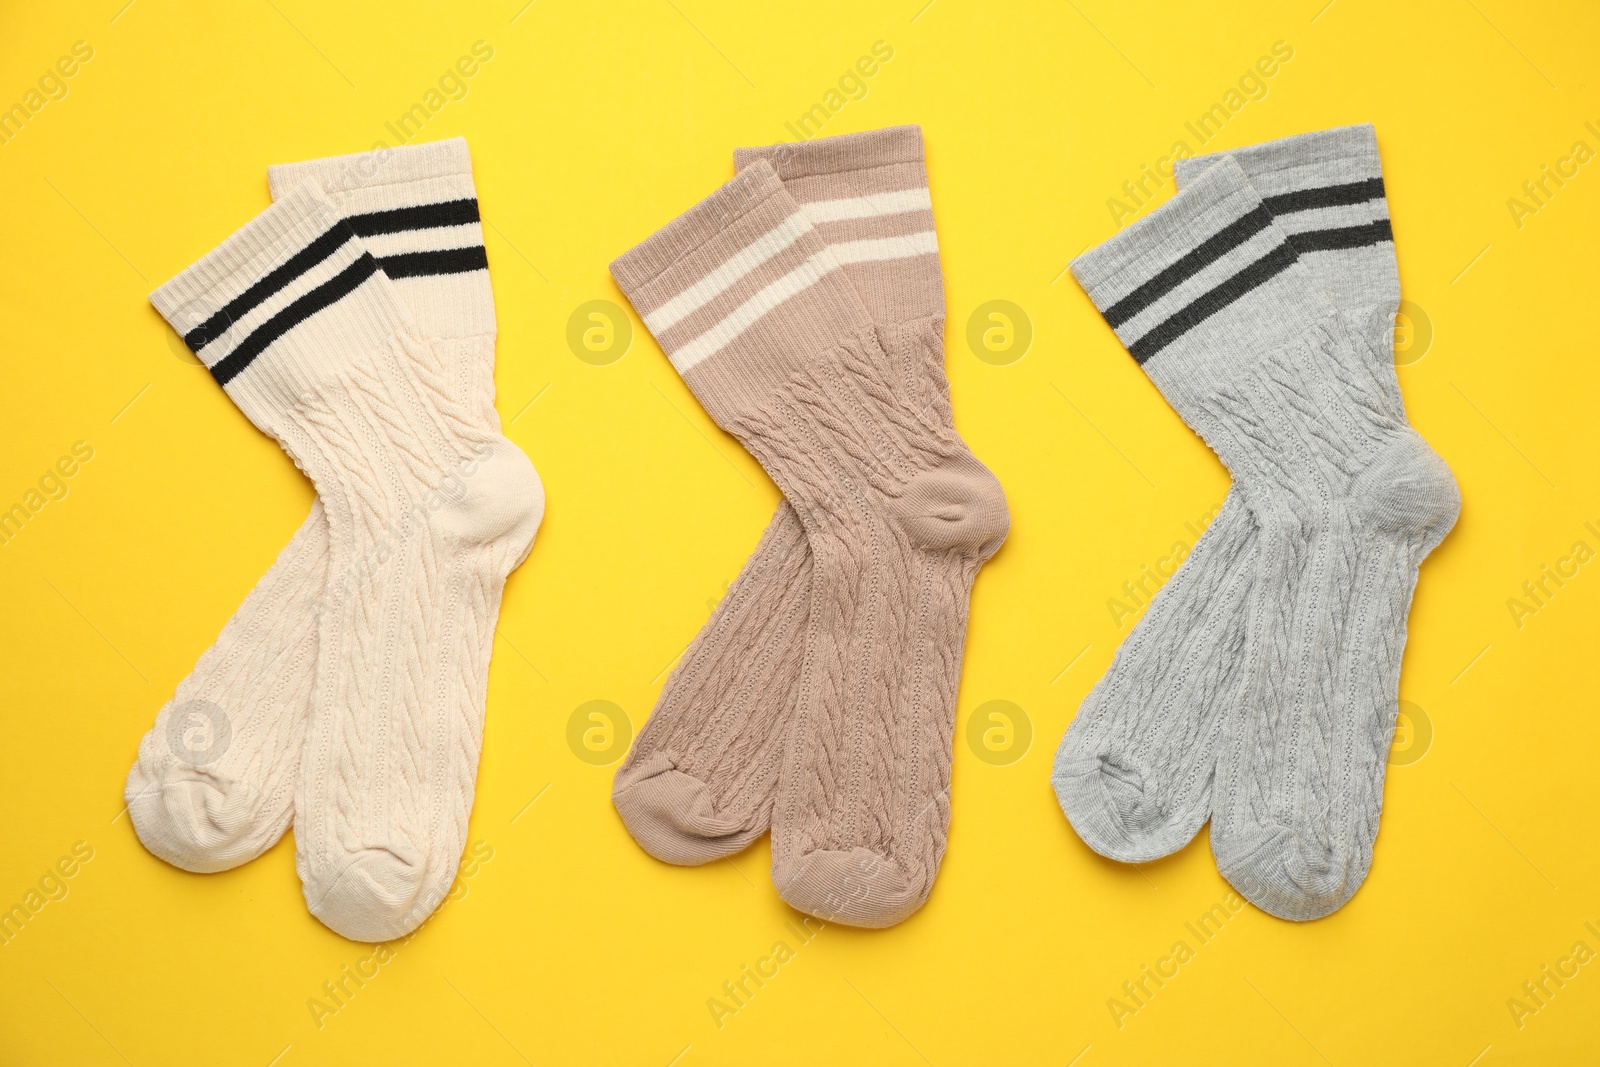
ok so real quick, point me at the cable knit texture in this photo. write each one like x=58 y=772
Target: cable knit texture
x=250 y=692
x=254 y=686
x=1135 y=769
x=1349 y=501
x=427 y=510
x=428 y=514
x=1345 y=500
x=755 y=310
x=701 y=778
x=899 y=516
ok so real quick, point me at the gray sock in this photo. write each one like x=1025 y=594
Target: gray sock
x=1209 y=295
x=1134 y=771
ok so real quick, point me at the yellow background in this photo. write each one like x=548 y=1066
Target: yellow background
x=590 y=127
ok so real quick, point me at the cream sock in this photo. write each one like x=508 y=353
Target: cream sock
x=213 y=786
x=757 y=314
x=427 y=513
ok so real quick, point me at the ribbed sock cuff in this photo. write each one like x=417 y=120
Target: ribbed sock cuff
x=830 y=155
x=381 y=166
x=1201 y=278
x=741 y=292
x=1192 y=230
x=416 y=207
x=867 y=195
x=193 y=299
x=1325 y=190
x=649 y=259
x=1346 y=153
x=283 y=305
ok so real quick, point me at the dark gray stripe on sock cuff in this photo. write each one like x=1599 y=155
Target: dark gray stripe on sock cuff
x=441 y=261
x=302 y=308
x=1325 y=196
x=1374 y=232
x=1203 y=307
x=1206 y=253
x=269 y=285
x=421 y=217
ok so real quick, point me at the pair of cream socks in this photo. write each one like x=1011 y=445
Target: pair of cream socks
x=353 y=322
x=803 y=305
x=1260 y=689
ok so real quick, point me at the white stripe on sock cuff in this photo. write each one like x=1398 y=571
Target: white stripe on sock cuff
x=432 y=239
x=741 y=318
x=904 y=246
x=872 y=205
x=727 y=275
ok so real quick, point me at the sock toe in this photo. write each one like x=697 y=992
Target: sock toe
x=856 y=887
x=1108 y=805
x=373 y=895
x=1287 y=877
x=195 y=822
x=673 y=817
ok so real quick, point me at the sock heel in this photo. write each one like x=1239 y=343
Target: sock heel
x=957 y=505
x=495 y=497
x=1409 y=490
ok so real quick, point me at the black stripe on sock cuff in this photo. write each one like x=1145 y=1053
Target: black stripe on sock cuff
x=1374 y=232
x=323 y=296
x=443 y=261
x=422 y=217
x=263 y=290
x=1202 y=256
x=1258 y=273
x=1326 y=196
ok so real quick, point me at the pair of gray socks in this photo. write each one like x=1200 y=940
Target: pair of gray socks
x=1259 y=690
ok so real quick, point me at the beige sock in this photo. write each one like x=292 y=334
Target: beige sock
x=758 y=315
x=427 y=512
x=701 y=778
x=214 y=783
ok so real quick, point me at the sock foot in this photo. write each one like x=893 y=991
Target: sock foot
x=197 y=824
x=373 y=895
x=1286 y=877
x=856 y=887
x=1105 y=799
x=674 y=818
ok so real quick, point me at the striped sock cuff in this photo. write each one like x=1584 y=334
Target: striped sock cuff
x=867 y=195
x=1325 y=189
x=256 y=309
x=416 y=207
x=741 y=292
x=1204 y=262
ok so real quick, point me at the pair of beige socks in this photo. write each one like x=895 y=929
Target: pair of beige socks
x=353 y=322
x=803 y=305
